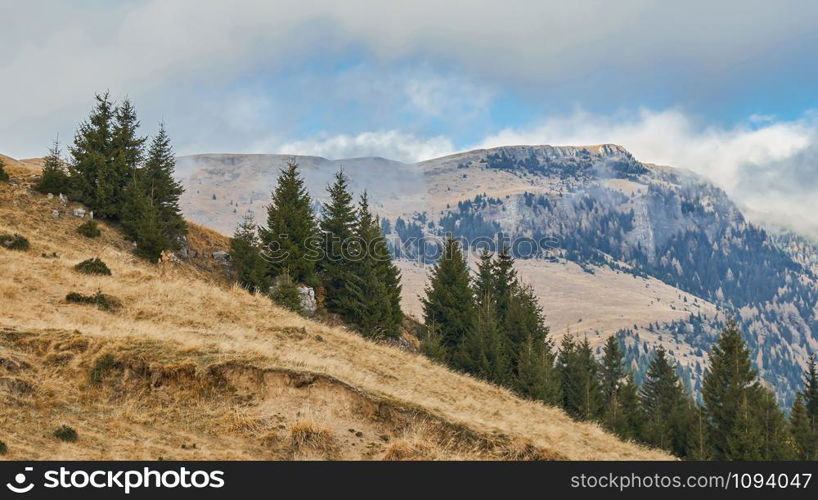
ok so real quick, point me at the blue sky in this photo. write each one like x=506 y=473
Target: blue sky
x=722 y=88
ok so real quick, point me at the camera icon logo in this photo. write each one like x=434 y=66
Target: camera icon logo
x=20 y=480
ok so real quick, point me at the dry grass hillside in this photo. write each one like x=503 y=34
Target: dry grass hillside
x=192 y=368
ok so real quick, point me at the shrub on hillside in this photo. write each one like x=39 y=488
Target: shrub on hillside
x=99 y=299
x=66 y=433
x=285 y=293
x=102 y=367
x=4 y=177
x=14 y=242
x=3 y=448
x=93 y=266
x=89 y=229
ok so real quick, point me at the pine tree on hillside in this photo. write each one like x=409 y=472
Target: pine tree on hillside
x=811 y=389
x=484 y=286
x=4 y=176
x=482 y=352
x=505 y=283
x=157 y=178
x=372 y=298
x=523 y=319
x=774 y=428
x=664 y=402
x=285 y=293
x=449 y=302
x=245 y=257
x=290 y=238
x=804 y=434
x=613 y=376
x=537 y=376
x=729 y=391
x=698 y=440
x=432 y=345
x=128 y=152
x=91 y=168
x=54 y=178
x=147 y=228
x=629 y=423
x=579 y=373
x=337 y=226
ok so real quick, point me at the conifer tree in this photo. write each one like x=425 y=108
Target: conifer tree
x=337 y=226
x=505 y=281
x=664 y=403
x=4 y=176
x=91 y=169
x=698 y=442
x=432 y=345
x=629 y=423
x=729 y=391
x=127 y=150
x=579 y=372
x=245 y=257
x=484 y=286
x=537 y=377
x=811 y=389
x=157 y=178
x=482 y=352
x=150 y=239
x=290 y=238
x=805 y=438
x=449 y=302
x=774 y=428
x=54 y=178
x=613 y=375
x=372 y=298
x=285 y=293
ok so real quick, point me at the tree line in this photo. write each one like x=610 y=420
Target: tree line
x=490 y=326
x=341 y=253
x=120 y=177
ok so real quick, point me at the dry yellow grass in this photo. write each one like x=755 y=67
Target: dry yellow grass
x=203 y=370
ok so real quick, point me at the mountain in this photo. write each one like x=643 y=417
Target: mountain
x=656 y=255
x=186 y=366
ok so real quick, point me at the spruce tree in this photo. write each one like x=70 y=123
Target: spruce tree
x=629 y=423
x=774 y=428
x=664 y=402
x=290 y=238
x=337 y=226
x=505 y=282
x=372 y=298
x=537 y=377
x=157 y=178
x=432 y=345
x=150 y=238
x=91 y=168
x=245 y=257
x=811 y=389
x=613 y=375
x=449 y=302
x=54 y=178
x=698 y=441
x=484 y=286
x=482 y=352
x=804 y=435
x=285 y=293
x=729 y=391
x=4 y=176
x=579 y=373
x=127 y=150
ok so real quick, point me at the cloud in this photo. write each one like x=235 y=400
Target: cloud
x=391 y=144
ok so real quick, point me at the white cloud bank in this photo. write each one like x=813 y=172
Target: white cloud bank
x=391 y=144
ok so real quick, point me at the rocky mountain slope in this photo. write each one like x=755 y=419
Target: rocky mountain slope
x=654 y=254
x=189 y=367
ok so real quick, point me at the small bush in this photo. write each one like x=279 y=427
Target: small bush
x=14 y=242
x=285 y=293
x=89 y=229
x=93 y=266
x=3 y=448
x=4 y=177
x=65 y=433
x=99 y=299
x=104 y=365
